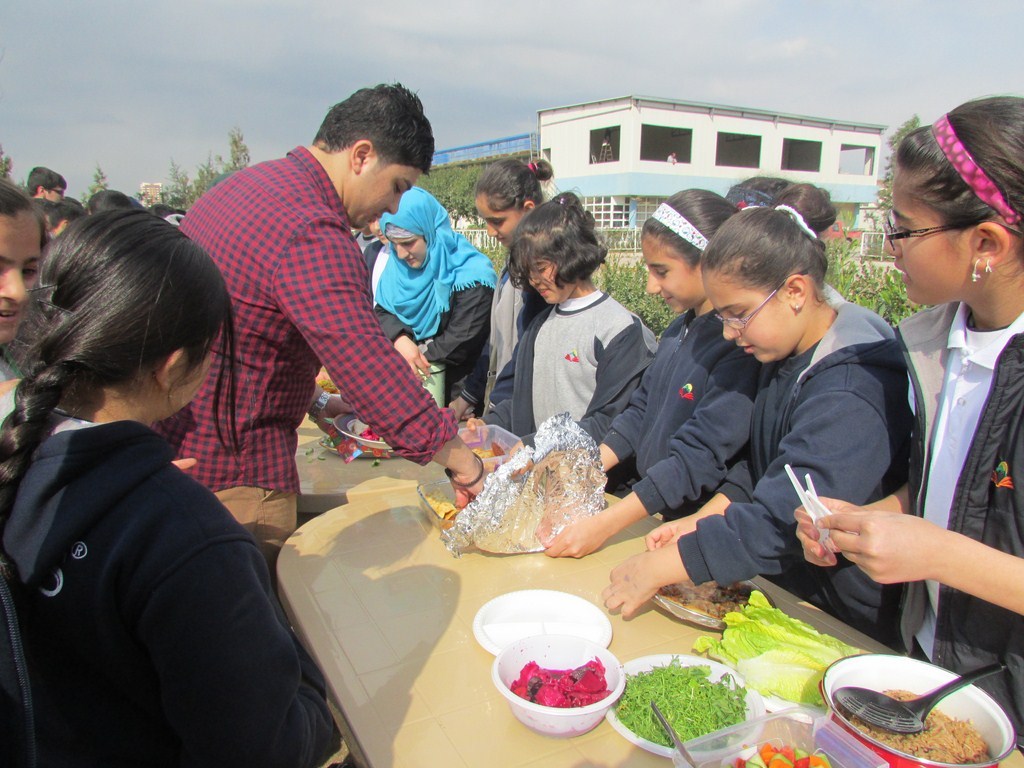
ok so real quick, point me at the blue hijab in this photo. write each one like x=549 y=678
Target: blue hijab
x=418 y=297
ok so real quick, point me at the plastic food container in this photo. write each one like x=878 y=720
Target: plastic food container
x=797 y=727
x=884 y=672
x=439 y=491
x=556 y=652
x=488 y=438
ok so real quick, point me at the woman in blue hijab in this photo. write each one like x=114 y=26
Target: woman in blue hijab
x=434 y=295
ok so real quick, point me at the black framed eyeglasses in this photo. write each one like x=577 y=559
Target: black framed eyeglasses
x=893 y=233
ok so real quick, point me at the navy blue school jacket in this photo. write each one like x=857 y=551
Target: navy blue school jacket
x=689 y=419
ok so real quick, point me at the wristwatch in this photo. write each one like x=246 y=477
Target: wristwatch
x=317 y=409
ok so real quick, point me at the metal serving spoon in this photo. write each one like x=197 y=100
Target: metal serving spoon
x=885 y=712
x=675 y=736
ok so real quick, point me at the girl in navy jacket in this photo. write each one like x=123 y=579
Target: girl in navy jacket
x=690 y=417
x=832 y=403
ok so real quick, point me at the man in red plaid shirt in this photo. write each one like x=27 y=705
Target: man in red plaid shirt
x=281 y=233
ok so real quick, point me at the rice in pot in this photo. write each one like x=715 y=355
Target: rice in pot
x=943 y=740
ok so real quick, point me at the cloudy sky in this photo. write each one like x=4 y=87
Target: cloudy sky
x=132 y=85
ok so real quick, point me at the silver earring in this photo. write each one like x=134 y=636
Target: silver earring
x=988 y=266
x=975 y=277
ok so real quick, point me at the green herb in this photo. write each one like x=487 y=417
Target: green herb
x=376 y=463
x=692 y=704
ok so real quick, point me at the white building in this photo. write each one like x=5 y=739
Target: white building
x=626 y=155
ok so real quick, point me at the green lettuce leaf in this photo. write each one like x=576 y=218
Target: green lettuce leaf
x=789 y=675
x=777 y=654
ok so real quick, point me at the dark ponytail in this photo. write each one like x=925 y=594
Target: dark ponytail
x=118 y=293
x=761 y=247
x=509 y=183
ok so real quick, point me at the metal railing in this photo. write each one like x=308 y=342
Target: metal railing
x=618 y=239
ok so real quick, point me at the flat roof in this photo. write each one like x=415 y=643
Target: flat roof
x=725 y=109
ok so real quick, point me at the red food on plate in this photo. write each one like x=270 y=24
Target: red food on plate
x=369 y=434
x=562 y=688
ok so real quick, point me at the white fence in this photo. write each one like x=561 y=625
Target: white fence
x=618 y=239
x=627 y=240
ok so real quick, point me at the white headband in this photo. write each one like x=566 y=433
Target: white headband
x=675 y=221
x=798 y=219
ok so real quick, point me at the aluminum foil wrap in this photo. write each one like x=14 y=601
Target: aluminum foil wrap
x=516 y=512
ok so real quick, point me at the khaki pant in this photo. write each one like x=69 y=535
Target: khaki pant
x=268 y=515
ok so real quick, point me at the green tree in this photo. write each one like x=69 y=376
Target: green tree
x=6 y=165
x=99 y=183
x=885 y=192
x=238 y=153
x=184 y=190
x=175 y=193
x=453 y=186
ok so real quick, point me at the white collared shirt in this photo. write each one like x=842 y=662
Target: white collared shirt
x=971 y=365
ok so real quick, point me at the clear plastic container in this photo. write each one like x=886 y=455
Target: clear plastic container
x=439 y=492
x=489 y=438
x=806 y=729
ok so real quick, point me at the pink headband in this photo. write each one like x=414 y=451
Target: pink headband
x=970 y=171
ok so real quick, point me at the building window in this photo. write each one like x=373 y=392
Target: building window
x=645 y=207
x=799 y=155
x=738 y=150
x=666 y=145
x=857 y=160
x=608 y=211
x=604 y=145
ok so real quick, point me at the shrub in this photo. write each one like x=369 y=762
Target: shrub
x=878 y=287
x=627 y=283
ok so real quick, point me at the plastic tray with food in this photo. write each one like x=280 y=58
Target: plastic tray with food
x=800 y=738
x=437 y=499
x=705 y=604
x=490 y=443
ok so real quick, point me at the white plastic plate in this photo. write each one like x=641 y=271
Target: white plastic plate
x=529 y=612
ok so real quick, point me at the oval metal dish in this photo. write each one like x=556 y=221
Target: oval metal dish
x=673 y=597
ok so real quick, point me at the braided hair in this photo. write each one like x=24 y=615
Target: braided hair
x=119 y=292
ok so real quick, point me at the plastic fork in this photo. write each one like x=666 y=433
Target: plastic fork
x=810 y=501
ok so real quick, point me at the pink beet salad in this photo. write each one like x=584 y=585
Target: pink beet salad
x=562 y=687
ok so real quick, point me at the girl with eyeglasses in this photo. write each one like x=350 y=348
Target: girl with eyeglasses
x=953 y=534
x=689 y=420
x=832 y=403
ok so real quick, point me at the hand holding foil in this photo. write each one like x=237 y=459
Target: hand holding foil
x=520 y=507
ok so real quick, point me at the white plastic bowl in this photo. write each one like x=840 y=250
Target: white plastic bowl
x=556 y=652
x=884 y=672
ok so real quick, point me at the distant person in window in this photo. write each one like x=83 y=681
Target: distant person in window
x=672 y=158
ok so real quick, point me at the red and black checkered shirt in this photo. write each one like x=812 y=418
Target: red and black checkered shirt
x=301 y=297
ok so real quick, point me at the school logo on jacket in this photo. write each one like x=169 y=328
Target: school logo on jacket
x=572 y=357
x=686 y=392
x=1001 y=476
